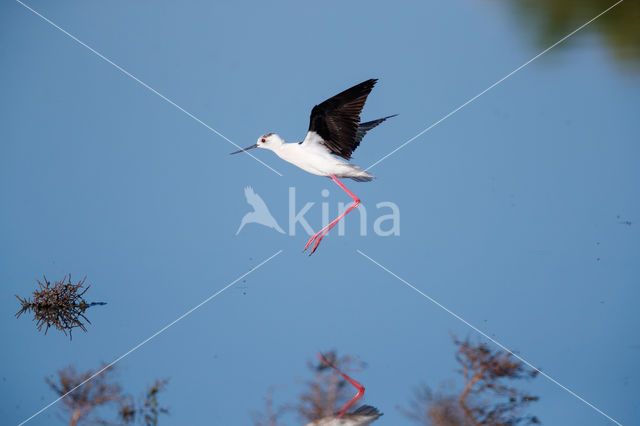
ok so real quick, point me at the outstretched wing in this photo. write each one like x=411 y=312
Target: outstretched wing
x=255 y=200
x=336 y=119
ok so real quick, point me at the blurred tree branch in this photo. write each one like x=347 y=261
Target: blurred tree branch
x=101 y=391
x=487 y=396
x=82 y=402
x=553 y=19
x=271 y=415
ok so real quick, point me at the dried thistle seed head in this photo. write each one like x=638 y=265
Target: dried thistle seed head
x=60 y=305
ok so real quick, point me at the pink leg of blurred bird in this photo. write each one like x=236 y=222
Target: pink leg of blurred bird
x=318 y=236
x=357 y=385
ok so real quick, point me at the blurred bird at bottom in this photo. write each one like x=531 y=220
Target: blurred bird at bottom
x=363 y=416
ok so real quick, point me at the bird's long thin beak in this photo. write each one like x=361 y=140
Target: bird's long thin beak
x=246 y=149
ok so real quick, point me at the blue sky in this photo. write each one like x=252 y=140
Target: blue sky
x=506 y=207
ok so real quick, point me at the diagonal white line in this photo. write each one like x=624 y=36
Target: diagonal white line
x=492 y=86
x=145 y=85
x=162 y=330
x=476 y=329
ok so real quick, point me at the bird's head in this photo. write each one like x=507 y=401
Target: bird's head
x=269 y=141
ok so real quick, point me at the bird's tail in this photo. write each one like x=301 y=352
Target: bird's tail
x=363 y=128
x=357 y=174
x=368 y=410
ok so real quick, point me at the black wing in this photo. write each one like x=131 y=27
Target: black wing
x=336 y=119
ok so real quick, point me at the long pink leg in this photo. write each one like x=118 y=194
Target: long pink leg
x=357 y=385
x=314 y=236
x=356 y=203
x=328 y=227
x=318 y=236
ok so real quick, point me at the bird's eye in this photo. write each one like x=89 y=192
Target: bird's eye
x=263 y=140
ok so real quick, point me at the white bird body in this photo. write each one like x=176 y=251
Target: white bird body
x=313 y=157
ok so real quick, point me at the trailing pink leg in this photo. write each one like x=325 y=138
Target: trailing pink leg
x=357 y=385
x=332 y=224
x=318 y=236
x=322 y=231
x=314 y=236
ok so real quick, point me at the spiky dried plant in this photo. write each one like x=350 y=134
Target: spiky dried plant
x=60 y=305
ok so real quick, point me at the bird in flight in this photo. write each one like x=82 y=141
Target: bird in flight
x=260 y=213
x=334 y=133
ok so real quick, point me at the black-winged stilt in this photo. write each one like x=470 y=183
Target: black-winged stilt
x=363 y=416
x=334 y=133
